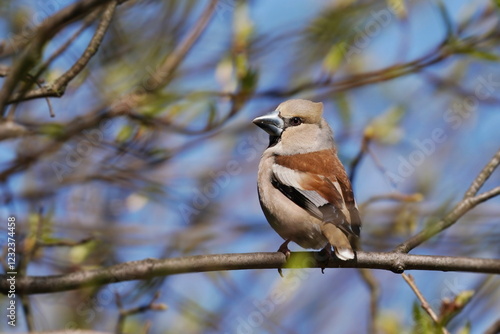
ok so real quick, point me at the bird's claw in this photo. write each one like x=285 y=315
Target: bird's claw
x=323 y=257
x=284 y=249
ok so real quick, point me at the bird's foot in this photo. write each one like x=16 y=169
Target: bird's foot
x=284 y=249
x=323 y=257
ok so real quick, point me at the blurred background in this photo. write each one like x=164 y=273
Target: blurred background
x=174 y=174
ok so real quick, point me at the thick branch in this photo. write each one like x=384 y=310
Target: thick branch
x=148 y=268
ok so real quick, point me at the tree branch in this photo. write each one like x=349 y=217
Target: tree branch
x=148 y=268
x=165 y=71
x=158 y=79
x=483 y=176
x=59 y=86
x=423 y=302
x=124 y=313
x=43 y=33
x=51 y=25
x=374 y=288
x=461 y=208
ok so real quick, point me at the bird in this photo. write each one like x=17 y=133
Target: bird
x=303 y=188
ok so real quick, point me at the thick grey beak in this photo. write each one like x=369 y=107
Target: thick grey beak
x=271 y=123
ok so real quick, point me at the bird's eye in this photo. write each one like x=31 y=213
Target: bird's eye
x=295 y=121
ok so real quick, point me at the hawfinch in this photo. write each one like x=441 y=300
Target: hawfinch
x=303 y=187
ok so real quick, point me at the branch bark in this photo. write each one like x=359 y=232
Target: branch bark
x=59 y=86
x=470 y=200
x=148 y=268
x=423 y=302
x=165 y=71
x=32 y=52
x=163 y=74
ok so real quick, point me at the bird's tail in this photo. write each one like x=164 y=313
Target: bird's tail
x=337 y=238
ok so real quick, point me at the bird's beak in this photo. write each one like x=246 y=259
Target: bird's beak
x=271 y=123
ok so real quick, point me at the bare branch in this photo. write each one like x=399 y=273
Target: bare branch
x=87 y=22
x=90 y=51
x=425 y=305
x=439 y=53
x=487 y=195
x=148 y=268
x=28 y=312
x=31 y=54
x=160 y=78
x=460 y=209
x=52 y=25
x=362 y=151
x=10 y=129
x=374 y=288
x=65 y=243
x=124 y=313
x=483 y=176
x=59 y=86
x=395 y=196
x=165 y=71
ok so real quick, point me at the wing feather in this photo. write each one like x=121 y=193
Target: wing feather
x=314 y=193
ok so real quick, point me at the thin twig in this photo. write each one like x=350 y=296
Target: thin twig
x=31 y=245
x=159 y=79
x=425 y=305
x=460 y=209
x=149 y=268
x=46 y=64
x=362 y=151
x=65 y=243
x=61 y=82
x=28 y=254
x=483 y=176
x=49 y=104
x=487 y=195
x=87 y=22
x=165 y=71
x=124 y=313
x=32 y=52
x=52 y=24
x=28 y=312
x=397 y=197
x=381 y=168
x=374 y=288
x=441 y=52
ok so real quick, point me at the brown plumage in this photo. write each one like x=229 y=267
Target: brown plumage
x=303 y=188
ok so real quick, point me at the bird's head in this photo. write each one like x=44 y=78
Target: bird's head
x=297 y=122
